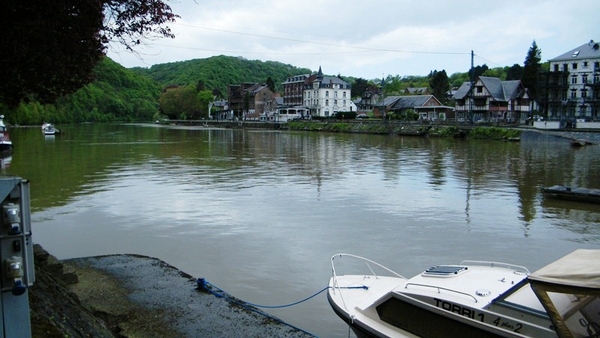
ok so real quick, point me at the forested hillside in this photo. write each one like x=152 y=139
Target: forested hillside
x=117 y=94
x=217 y=72
x=121 y=94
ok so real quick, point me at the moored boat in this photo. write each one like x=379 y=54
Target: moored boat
x=572 y=193
x=472 y=299
x=6 y=145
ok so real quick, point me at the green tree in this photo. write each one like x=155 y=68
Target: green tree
x=178 y=102
x=49 y=49
x=440 y=85
x=359 y=87
x=515 y=72
x=205 y=97
x=271 y=84
x=531 y=68
x=394 y=85
x=478 y=71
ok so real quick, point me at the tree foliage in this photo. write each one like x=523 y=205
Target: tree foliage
x=218 y=72
x=271 y=84
x=440 y=85
x=130 y=22
x=515 y=72
x=180 y=103
x=50 y=49
x=478 y=71
x=531 y=67
x=117 y=94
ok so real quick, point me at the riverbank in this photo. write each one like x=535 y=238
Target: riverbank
x=135 y=296
x=437 y=129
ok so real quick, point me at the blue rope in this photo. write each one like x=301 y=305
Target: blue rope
x=204 y=285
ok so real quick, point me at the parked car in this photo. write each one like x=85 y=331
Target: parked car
x=362 y=116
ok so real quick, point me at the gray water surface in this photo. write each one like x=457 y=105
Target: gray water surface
x=260 y=213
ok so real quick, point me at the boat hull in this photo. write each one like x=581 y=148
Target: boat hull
x=573 y=194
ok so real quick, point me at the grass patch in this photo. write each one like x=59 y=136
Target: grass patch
x=493 y=133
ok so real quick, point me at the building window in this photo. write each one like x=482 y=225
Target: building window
x=344 y=95
x=326 y=102
x=574 y=65
x=556 y=67
x=574 y=79
x=585 y=64
x=327 y=93
x=584 y=93
x=573 y=94
x=584 y=78
x=479 y=89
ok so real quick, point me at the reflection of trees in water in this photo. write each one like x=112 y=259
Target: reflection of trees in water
x=85 y=157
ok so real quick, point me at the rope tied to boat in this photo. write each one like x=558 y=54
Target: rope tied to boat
x=204 y=285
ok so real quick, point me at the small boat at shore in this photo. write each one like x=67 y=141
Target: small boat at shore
x=470 y=299
x=573 y=194
x=6 y=145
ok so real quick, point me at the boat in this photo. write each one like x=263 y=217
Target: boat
x=49 y=129
x=6 y=145
x=572 y=193
x=580 y=142
x=470 y=299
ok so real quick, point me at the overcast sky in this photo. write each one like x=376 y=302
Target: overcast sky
x=371 y=39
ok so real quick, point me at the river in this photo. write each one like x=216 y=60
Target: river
x=259 y=213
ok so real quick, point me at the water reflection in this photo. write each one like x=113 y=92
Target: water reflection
x=260 y=213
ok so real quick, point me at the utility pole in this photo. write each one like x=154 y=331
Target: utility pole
x=471 y=84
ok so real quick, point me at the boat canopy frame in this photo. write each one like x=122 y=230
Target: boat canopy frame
x=577 y=274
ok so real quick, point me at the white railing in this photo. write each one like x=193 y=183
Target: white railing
x=337 y=287
x=367 y=261
x=491 y=264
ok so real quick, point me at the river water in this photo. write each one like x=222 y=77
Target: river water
x=259 y=213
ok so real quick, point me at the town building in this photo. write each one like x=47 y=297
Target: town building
x=569 y=92
x=369 y=100
x=427 y=107
x=492 y=101
x=324 y=96
x=251 y=100
x=293 y=90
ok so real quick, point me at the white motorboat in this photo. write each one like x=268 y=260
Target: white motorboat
x=6 y=145
x=49 y=129
x=471 y=299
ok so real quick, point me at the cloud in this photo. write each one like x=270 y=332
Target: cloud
x=370 y=39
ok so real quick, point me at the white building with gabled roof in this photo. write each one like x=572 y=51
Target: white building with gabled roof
x=326 y=95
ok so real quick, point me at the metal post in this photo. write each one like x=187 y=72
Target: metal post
x=16 y=257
